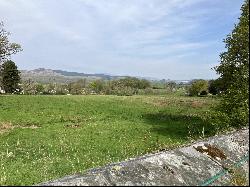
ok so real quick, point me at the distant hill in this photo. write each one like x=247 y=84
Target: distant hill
x=43 y=75
x=76 y=74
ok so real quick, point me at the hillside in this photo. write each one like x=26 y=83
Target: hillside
x=43 y=75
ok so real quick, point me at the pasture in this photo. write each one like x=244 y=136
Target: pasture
x=46 y=137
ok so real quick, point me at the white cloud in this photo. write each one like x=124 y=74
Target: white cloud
x=118 y=33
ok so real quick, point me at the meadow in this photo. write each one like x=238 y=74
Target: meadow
x=46 y=137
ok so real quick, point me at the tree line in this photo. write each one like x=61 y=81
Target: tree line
x=126 y=86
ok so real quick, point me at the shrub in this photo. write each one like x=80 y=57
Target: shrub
x=198 y=87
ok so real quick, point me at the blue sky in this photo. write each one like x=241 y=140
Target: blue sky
x=171 y=39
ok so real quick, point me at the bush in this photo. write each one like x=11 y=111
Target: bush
x=124 y=91
x=216 y=86
x=198 y=87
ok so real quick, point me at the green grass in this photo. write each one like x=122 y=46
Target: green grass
x=81 y=132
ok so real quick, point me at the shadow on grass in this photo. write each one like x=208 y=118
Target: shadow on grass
x=180 y=127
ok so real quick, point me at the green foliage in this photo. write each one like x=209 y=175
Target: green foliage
x=216 y=86
x=171 y=86
x=97 y=86
x=39 y=88
x=124 y=91
x=234 y=72
x=28 y=87
x=198 y=87
x=6 y=48
x=123 y=87
x=132 y=82
x=143 y=84
x=10 y=77
x=128 y=86
x=74 y=88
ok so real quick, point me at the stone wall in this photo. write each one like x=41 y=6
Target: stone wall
x=190 y=165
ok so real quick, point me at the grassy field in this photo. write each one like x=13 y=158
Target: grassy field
x=46 y=137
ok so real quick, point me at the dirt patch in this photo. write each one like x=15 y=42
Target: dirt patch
x=5 y=127
x=212 y=151
x=159 y=102
x=28 y=127
x=197 y=104
x=73 y=126
x=163 y=102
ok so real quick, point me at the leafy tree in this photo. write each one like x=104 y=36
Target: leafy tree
x=171 y=85
x=39 y=88
x=234 y=72
x=10 y=77
x=127 y=86
x=198 y=87
x=132 y=82
x=6 y=48
x=143 y=84
x=28 y=87
x=82 y=82
x=215 y=86
x=97 y=86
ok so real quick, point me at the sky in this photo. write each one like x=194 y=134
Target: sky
x=164 y=39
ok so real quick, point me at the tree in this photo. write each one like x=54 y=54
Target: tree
x=10 y=77
x=234 y=72
x=216 y=86
x=171 y=85
x=143 y=84
x=97 y=86
x=39 y=88
x=198 y=87
x=126 y=86
x=28 y=87
x=6 y=48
